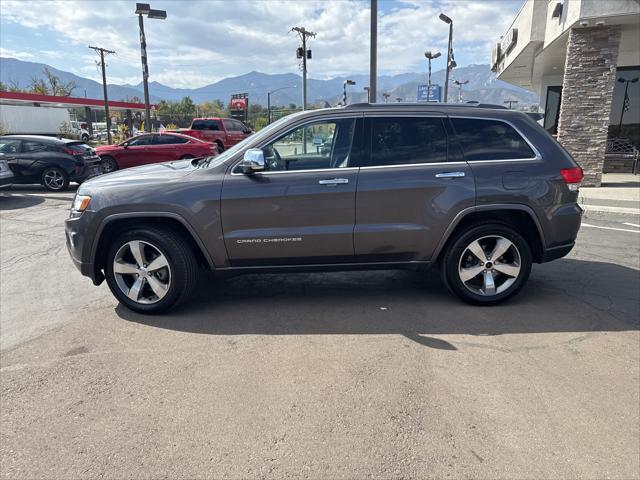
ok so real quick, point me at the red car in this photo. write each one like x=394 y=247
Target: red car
x=224 y=132
x=153 y=148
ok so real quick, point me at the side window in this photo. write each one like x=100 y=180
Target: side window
x=9 y=146
x=407 y=140
x=228 y=124
x=31 y=147
x=199 y=125
x=239 y=126
x=141 y=141
x=168 y=140
x=490 y=140
x=314 y=146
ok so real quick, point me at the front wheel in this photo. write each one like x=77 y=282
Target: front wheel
x=486 y=264
x=55 y=179
x=108 y=164
x=150 y=270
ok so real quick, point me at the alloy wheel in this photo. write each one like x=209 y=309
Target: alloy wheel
x=54 y=179
x=142 y=272
x=489 y=265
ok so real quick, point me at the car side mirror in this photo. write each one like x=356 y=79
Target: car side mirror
x=253 y=161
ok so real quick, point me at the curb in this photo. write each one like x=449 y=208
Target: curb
x=608 y=209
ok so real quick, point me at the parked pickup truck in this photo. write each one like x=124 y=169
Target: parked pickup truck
x=224 y=132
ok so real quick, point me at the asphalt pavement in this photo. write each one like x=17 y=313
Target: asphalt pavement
x=323 y=375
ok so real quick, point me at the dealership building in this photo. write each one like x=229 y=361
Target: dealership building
x=583 y=58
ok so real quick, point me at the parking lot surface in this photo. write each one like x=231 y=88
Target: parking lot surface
x=324 y=375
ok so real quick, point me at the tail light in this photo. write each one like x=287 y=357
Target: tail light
x=572 y=177
x=68 y=151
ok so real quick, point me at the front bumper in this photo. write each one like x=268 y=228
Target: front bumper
x=78 y=239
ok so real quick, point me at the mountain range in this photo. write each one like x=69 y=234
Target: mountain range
x=483 y=86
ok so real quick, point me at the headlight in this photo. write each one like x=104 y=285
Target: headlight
x=80 y=203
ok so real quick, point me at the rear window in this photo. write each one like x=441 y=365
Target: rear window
x=80 y=148
x=205 y=125
x=490 y=140
x=168 y=140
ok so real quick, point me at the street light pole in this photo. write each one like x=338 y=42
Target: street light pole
x=373 y=54
x=368 y=90
x=510 y=102
x=269 y=100
x=386 y=96
x=460 y=84
x=450 y=62
x=430 y=56
x=145 y=9
x=344 y=90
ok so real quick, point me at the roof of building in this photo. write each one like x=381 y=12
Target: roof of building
x=21 y=98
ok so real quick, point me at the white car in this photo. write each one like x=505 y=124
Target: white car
x=6 y=175
x=78 y=131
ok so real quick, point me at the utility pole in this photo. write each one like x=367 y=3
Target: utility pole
x=510 y=102
x=373 y=57
x=102 y=51
x=305 y=54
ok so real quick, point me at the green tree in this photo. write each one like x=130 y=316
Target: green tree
x=51 y=85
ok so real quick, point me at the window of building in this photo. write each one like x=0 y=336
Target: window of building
x=624 y=120
x=490 y=140
x=407 y=140
x=552 y=109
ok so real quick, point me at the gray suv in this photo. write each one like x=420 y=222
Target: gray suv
x=482 y=192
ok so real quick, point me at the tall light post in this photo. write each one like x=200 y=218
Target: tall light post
x=510 y=102
x=386 y=96
x=344 y=90
x=625 y=101
x=368 y=90
x=460 y=84
x=430 y=56
x=145 y=9
x=373 y=53
x=269 y=100
x=451 y=63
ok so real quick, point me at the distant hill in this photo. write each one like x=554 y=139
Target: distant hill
x=483 y=86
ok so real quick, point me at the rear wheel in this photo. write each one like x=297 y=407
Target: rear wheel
x=108 y=164
x=150 y=270
x=55 y=179
x=187 y=157
x=486 y=264
x=220 y=147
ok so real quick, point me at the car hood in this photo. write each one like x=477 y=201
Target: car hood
x=145 y=175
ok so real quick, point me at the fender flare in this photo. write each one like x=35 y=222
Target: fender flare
x=487 y=208
x=174 y=216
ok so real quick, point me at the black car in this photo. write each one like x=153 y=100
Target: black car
x=51 y=162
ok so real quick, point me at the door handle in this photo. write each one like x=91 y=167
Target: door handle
x=450 y=175
x=334 y=181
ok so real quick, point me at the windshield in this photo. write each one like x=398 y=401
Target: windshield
x=256 y=137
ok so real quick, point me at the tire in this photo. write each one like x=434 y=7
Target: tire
x=187 y=157
x=174 y=281
x=485 y=281
x=55 y=179
x=220 y=147
x=85 y=138
x=109 y=164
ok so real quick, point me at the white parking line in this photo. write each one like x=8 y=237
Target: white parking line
x=610 y=228
x=631 y=224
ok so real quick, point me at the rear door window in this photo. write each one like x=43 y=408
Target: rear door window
x=490 y=140
x=205 y=125
x=141 y=141
x=168 y=140
x=406 y=141
x=32 y=147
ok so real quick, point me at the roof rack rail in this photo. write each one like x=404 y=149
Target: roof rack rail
x=424 y=104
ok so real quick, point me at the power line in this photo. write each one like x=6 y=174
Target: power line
x=102 y=52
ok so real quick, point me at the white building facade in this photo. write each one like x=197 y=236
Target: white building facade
x=583 y=58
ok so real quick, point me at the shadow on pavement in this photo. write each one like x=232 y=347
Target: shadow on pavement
x=14 y=202
x=563 y=296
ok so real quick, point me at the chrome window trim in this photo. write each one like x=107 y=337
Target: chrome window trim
x=440 y=164
x=344 y=169
x=536 y=152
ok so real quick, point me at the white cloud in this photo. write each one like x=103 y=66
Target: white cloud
x=202 y=41
x=5 y=52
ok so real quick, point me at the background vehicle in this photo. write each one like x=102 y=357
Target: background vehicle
x=224 y=132
x=51 y=162
x=6 y=175
x=28 y=120
x=153 y=148
x=481 y=192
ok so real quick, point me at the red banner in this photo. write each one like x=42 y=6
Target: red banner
x=238 y=104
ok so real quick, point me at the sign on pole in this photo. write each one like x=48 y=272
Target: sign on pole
x=429 y=93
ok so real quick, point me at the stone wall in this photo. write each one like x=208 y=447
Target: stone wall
x=587 y=89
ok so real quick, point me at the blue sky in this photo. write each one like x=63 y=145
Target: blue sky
x=203 y=41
